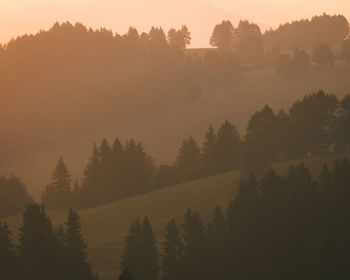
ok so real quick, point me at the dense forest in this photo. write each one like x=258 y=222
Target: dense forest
x=71 y=80
x=307 y=33
x=289 y=227
x=44 y=252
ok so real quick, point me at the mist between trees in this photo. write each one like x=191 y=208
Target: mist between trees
x=49 y=75
x=317 y=124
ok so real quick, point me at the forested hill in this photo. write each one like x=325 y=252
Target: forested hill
x=65 y=88
x=105 y=227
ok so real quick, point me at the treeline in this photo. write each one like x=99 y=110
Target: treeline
x=39 y=69
x=301 y=63
x=307 y=33
x=44 y=252
x=317 y=124
x=282 y=227
x=49 y=75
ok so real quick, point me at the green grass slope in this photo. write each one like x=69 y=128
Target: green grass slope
x=106 y=226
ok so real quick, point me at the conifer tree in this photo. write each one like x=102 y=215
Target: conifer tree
x=7 y=254
x=38 y=250
x=150 y=258
x=194 y=245
x=79 y=268
x=172 y=252
x=58 y=193
x=188 y=162
x=131 y=256
x=209 y=155
x=90 y=192
x=228 y=148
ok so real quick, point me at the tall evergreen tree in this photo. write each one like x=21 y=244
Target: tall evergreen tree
x=228 y=148
x=131 y=256
x=150 y=258
x=172 y=252
x=38 y=249
x=58 y=193
x=194 y=246
x=209 y=154
x=78 y=267
x=8 y=262
x=188 y=162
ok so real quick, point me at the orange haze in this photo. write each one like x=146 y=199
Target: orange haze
x=28 y=16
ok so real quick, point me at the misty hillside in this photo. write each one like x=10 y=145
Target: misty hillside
x=66 y=88
x=105 y=227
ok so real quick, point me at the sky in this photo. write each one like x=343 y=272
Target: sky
x=18 y=17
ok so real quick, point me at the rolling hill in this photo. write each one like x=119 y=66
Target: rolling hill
x=106 y=226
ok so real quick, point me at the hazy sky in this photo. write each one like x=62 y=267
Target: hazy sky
x=28 y=16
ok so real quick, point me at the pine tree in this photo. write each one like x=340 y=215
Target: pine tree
x=228 y=148
x=172 y=252
x=132 y=251
x=194 y=245
x=105 y=151
x=140 y=255
x=209 y=153
x=58 y=193
x=90 y=192
x=38 y=250
x=76 y=246
x=188 y=162
x=216 y=265
x=7 y=254
x=150 y=258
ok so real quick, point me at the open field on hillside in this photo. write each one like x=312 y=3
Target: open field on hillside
x=106 y=226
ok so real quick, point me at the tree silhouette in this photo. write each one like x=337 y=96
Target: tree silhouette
x=248 y=42
x=228 y=148
x=172 y=252
x=188 y=162
x=78 y=267
x=209 y=152
x=179 y=38
x=7 y=254
x=323 y=55
x=38 y=249
x=58 y=193
x=222 y=36
x=14 y=197
x=301 y=61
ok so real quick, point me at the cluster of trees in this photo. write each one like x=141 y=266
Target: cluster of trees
x=112 y=173
x=13 y=196
x=105 y=67
x=317 y=124
x=308 y=33
x=289 y=227
x=300 y=62
x=42 y=251
x=245 y=41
